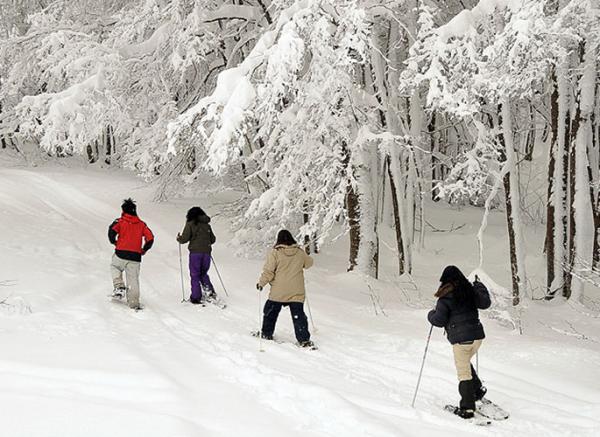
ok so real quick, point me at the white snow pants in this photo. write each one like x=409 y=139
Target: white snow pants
x=132 y=270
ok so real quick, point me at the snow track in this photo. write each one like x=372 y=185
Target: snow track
x=81 y=365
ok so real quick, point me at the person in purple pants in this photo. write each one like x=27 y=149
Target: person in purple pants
x=198 y=233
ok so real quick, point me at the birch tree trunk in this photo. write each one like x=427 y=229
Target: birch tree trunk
x=559 y=198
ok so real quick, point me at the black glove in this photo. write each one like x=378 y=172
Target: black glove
x=258 y=287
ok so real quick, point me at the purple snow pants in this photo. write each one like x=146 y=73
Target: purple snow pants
x=199 y=265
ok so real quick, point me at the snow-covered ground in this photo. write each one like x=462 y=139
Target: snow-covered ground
x=75 y=364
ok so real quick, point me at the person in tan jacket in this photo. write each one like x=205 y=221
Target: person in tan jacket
x=284 y=271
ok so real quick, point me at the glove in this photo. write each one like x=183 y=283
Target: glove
x=258 y=287
x=178 y=236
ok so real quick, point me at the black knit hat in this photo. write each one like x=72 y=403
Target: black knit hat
x=129 y=207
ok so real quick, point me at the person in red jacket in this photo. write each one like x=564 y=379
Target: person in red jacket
x=132 y=239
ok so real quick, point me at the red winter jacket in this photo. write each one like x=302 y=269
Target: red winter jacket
x=131 y=236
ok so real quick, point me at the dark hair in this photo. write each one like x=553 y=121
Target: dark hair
x=194 y=214
x=453 y=280
x=285 y=237
x=129 y=207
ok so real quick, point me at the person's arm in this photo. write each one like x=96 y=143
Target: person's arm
x=268 y=273
x=440 y=315
x=148 y=240
x=186 y=235
x=113 y=231
x=308 y=261
x=482 y=296
x=213 y=238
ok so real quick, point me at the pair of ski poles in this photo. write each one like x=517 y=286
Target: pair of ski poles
x=183 y=299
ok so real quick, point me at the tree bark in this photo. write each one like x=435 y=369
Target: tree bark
x=397 y=224
x=511 y=186
x=550 y=209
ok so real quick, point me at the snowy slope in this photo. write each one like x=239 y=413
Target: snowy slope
x=75 y=364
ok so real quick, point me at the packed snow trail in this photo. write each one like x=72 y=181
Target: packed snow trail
x=76 y=364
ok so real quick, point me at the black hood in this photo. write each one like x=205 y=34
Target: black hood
x=454 y=275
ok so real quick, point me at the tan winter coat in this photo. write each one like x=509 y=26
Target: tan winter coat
x=284 y=270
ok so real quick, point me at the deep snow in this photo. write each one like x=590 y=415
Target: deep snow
x=75 y=364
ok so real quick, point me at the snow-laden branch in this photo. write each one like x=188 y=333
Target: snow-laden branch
x=228 y=12
x=61 y=113
x=225 y=109
x=148 y=46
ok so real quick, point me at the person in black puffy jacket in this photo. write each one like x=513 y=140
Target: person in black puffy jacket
x=457 y=312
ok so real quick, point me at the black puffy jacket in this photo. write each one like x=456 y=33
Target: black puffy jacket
x=461 y=319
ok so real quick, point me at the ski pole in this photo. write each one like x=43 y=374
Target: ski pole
x=260 y=345
x=181 y=271
x=219 y=275
x=312 y=322
x=477 y=361
x=422 y=365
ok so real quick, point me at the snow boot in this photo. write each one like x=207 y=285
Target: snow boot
x=119 y=292
x=211 y=295
x=480 y=393
x=195 y=301
x=262 y=335
x=463 y=413
x=467 y=395
x=306 y=343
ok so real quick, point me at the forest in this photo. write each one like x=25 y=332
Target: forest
x=330 y=116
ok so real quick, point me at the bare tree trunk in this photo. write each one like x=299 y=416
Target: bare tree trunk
x=435 y=166
x=397 y=225
x=514 y=265
x=550 y=209
x=571 y=196
x=354 y=223
x=560 y=181
x=353 y=213
x=511 y=185
x=594 y=177
x=582 y=203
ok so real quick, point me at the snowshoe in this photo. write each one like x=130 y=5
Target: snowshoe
x=196 y=301
x=119 y=293
x=489 y=409
x=473 y=417
x=308 y=344
x=264 y=337
x=214 y=300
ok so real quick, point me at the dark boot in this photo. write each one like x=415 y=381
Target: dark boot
x=467 y=395
x=479 y=389
x=465 y=414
